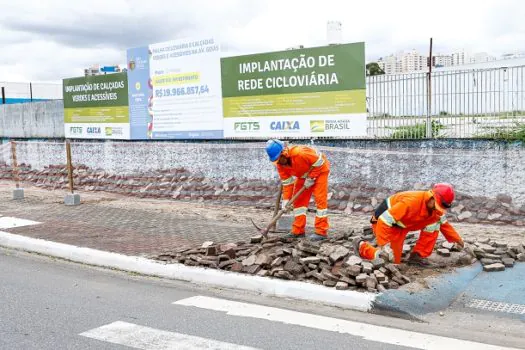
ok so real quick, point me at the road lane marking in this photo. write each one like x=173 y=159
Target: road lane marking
x=141 y=337
x=366 y=331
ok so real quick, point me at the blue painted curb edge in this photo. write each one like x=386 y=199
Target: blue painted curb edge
x=443 y=290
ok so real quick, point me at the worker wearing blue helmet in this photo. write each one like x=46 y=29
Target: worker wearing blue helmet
x=300 y=166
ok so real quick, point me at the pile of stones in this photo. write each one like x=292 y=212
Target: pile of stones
x=332 y=262
x=496 y=256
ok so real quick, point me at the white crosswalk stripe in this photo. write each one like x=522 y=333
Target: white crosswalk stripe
x=140 y=337
x=10 y=222
x=366 y=331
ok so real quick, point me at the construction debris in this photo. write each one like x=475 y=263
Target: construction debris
x=496 y=256
x=333 y=263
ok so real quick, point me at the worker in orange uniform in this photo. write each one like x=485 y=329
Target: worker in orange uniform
x=300 y=166
x=410 y=211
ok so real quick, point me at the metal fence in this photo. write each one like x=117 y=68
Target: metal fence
x=459 y=104
x=472 y=103
x=16 y=92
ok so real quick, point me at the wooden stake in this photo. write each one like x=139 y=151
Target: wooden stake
x=15 y=164
x=69 y=165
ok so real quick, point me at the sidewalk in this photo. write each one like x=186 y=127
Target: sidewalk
x=106 y=223
x=115 y=223
x=135 y=226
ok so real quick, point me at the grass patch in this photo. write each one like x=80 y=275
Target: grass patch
x=516 y=133
x=417 y=131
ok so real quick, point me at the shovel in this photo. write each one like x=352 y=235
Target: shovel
x=264 y=231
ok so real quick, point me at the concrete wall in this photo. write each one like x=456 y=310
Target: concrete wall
x=477 y=168
x=489 y=176
x=30 y=120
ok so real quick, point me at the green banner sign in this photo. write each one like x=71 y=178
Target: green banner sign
x=96 y=107
x=96 y=91
x=320 y=80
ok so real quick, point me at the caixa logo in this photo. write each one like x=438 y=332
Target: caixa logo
x=75 y=130
x=247 y=126
x=93 y=130
x=285 y=125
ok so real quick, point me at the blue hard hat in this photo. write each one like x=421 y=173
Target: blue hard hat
x=274 y=149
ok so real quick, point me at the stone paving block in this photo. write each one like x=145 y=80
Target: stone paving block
x=341 y=286
x=353 y=270
x=443 y=252
x=354 y=260
x=249 y=260
x=339 y=253
x=256 y=239
x=264 y=260
x=310 y=260
x=377 y=263
x=367 y=267
x=236 y=267
x=329 y=283
x=508 y=262
x=349 y=281
x=284 y=274
x=293 y=267
x=494 y=267
x=361 y=279
x=447 y=245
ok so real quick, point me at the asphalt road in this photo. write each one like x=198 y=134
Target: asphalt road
x=52 y=304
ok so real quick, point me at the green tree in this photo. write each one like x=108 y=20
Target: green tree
x=373 y=68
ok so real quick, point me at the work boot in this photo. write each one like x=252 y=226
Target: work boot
x=416 y=260
x=316 y=237
x=357 y=241
x=291 y=235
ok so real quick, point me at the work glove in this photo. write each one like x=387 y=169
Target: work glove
x=309 y=182
x=284 y=203
x=460 y=243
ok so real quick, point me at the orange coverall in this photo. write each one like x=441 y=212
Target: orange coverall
x=293 y=177
x=405 y=212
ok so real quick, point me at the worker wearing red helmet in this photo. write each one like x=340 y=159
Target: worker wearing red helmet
x=409 y=211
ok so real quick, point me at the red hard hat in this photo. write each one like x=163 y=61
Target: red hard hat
x=444 y=194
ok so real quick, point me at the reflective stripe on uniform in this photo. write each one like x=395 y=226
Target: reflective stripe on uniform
x=432 y=227
x=288 y=181
x=388 y=219
x=318 y=162
x=321 y=213
x=388 y=205
x=300 y=211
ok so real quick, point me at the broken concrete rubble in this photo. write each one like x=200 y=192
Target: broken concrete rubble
x=333 y=262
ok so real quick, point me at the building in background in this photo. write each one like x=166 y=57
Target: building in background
x=97 y=70
x=460 y=58
x=403 y=62
x=412 y=61
x=440 y=60
x=481 y=57
x=513 y=55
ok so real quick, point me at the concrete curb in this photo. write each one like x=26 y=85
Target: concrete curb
x=214 y=278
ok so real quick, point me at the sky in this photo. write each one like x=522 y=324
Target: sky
x=56 y=39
